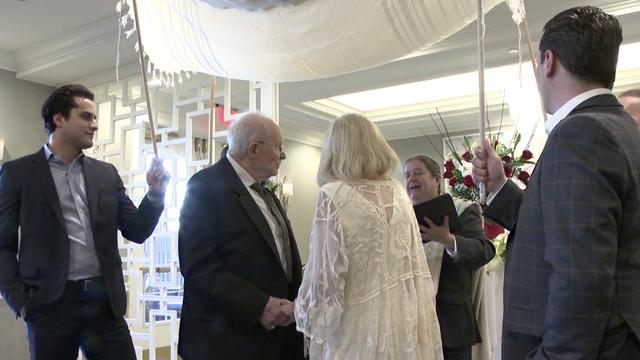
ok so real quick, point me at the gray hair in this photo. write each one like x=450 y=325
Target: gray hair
x=247 y=128
x=429 y=163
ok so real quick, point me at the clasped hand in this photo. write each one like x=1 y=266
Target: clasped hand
x=277 y=312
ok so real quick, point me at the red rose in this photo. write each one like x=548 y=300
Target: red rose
x=506 y=159
x=527 y=155
x=468 y=181
x=453 y=181
x=524 y=177
x=466 y=156
x=507 y=171
x=492 y=230
x=449 y=165
x=447 y=174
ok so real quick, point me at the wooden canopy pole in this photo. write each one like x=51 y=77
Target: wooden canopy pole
x=481 y=95
x=525 y=24
x=144 y=78
x=212 y=119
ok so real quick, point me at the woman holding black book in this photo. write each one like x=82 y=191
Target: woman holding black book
x=452 y=257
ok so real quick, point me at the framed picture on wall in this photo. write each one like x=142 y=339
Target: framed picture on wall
x=200 y=148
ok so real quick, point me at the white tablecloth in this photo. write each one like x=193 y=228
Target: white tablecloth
x=493 y=284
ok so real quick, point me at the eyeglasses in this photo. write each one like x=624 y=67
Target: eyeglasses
x=279 y=147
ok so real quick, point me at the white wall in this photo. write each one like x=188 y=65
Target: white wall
x=406 y=148
x=300 y=168
x=22 y=129
x=21 y=126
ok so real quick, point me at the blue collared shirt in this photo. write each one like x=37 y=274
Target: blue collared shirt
x=72 y=195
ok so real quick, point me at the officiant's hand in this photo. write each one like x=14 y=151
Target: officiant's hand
x=438 y=233
x=488 y=167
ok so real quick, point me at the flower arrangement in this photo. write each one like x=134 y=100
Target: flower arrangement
x=460 y=180
x=500 y=243
x=461 y=185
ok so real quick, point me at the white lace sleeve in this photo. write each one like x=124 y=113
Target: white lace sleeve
x=320 y=301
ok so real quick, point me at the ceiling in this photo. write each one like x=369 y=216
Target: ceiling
x=56 y=42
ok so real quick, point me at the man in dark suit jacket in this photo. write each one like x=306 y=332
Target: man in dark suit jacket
x=573 y=268
x=238 y=255
x=59 y=215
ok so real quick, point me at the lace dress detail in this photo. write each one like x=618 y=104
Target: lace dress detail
x=366 y=291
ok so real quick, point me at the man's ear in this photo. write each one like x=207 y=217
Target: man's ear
x=58 y=120
x=253 y=149
x=549 y=65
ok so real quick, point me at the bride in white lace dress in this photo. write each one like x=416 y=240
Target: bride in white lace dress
x=366 y=291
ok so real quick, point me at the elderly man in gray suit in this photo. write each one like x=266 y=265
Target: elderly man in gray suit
x=573 y=257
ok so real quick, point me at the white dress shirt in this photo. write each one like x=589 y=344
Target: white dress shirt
x=276 y=230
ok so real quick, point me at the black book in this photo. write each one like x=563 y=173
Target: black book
x=436 y=209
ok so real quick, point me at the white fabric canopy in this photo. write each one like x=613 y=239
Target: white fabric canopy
x=251 y=5
x=314 y=39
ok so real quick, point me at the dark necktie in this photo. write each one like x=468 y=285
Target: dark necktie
x=270 y=200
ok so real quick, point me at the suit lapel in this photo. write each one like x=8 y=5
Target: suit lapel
x=91 y=184
x=250 y=207
x=43 y=173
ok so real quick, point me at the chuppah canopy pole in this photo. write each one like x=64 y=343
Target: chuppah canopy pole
x=144 y=79
x=481 y=97
x=525 y=23
x=212 y=119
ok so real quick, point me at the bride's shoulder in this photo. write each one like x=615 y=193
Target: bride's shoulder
x=333 y=188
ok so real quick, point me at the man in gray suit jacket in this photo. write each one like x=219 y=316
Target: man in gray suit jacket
x=60 y=212
x=573 y=255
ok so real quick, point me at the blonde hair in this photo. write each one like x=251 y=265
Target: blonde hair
x=354 y=149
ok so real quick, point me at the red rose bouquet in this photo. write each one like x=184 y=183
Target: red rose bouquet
x=459 y=178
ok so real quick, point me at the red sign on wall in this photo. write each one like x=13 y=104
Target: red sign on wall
x=220 y=115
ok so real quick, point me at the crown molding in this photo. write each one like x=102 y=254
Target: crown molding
x=107 y=76
x=622 y=7
x=326 y=109
x=305 y=141
x=330 y=107
x=74 y=44
x=6 y=61
x=314 y=113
